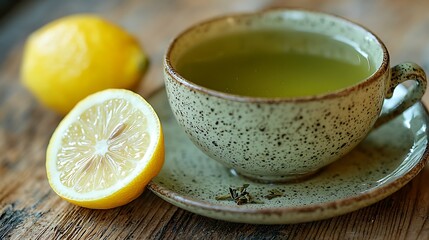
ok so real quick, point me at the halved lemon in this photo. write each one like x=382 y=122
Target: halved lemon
x=106 y=150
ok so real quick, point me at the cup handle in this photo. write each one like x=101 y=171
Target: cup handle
x=399 y=74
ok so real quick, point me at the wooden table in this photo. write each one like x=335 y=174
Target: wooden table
x=29 y=209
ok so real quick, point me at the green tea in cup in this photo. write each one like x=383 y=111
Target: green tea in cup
x=275 y=63
x=278 y=95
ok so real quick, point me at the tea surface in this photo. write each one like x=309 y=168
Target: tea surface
x=274 y=63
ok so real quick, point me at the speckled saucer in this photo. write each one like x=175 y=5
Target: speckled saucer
x=387 y=159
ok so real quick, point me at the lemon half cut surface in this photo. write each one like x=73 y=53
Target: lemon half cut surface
x=106 y=150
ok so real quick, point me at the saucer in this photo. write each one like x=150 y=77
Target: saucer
x=386 y=160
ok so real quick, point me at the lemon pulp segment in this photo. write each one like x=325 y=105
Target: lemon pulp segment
x=101 y=148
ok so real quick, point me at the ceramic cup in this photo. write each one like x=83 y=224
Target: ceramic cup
x=283 y=139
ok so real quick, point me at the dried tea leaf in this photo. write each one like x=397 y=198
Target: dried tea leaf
x=239 y=195
x=223 y=197
x=256 y=201
x=274 y=193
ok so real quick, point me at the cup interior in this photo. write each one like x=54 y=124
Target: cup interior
x=338 y=28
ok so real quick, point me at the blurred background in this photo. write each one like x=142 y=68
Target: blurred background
x=402 y=25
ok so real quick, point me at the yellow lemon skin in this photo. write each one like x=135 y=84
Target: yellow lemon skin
x=74 y=56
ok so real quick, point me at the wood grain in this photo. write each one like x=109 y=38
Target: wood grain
x=29 y=209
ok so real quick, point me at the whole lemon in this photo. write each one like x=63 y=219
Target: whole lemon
x=75 y=56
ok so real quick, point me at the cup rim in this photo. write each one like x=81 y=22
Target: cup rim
x=243 y=98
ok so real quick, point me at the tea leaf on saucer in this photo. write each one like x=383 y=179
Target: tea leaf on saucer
x=224 y=197
x=273 y=193
x=256 y=201
x=239 y=195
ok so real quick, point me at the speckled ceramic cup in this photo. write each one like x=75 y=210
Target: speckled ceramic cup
x=283 y=139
